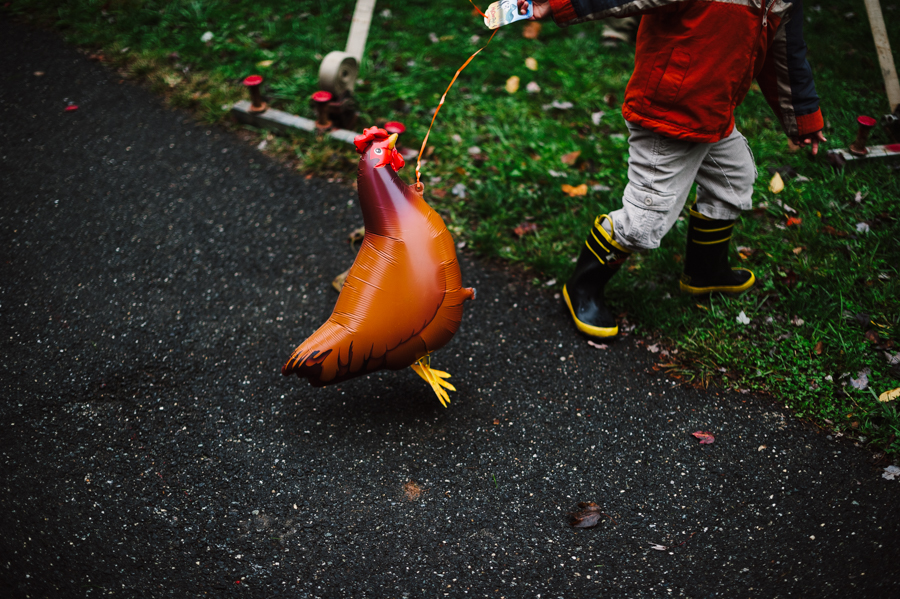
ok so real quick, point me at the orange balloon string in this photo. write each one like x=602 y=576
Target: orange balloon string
x=441 y=103
x=478 y=9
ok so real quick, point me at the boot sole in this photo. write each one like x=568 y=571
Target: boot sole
x=587 y=329
x=718 y=288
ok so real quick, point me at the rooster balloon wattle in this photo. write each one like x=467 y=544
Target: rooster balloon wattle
x=403 y=297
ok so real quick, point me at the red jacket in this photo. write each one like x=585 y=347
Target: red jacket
x=695 y=61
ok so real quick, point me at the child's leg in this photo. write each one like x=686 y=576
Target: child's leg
x=724 y=189
x=661 y=171
x=725 y=178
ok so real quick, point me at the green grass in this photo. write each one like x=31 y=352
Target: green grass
x=838 y=275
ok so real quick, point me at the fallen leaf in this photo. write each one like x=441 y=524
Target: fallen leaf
x=793 y=220
x=861 y=382
x=787 y=172
x=872 y=336
x=558 y=105
x=705 y=438
x=598 y=345
x=833 y=232
x=411 y=491
x=587 y=516
x=891 y=472
x=356 y=235
x=570 y=158
x=531 y=30
x=496 y=421
x=797 y=250
x=338 y=282
x=760 y=448
x=525 y=228
x=512 y=84
x=889 y=395
x=572 y=192
x=776 y=185
x=785 y=207
x=265 y=63
x=71 y=107
x=820 y=347
x=531 y=64
x=863 y=319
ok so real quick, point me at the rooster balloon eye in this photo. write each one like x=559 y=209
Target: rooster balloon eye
x=378 y=151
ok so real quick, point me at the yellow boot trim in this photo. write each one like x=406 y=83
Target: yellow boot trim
x=711 y=242
x=598 y=224
x=587 y=329
x=435 y=378
x=719 y=288
x=697 y=214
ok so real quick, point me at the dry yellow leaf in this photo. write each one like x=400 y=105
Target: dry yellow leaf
x=889 y=395
x=512 y=84
x=531 y=64
x=265 y=63
x=531 y=30
x=580 y=190
x=776 y=185
x=797 y=250
x=338 y=282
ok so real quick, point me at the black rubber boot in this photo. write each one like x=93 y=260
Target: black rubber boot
x=600 y=259
x=706 y=258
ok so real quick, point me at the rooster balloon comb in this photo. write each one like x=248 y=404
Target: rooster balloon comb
x=403 y=297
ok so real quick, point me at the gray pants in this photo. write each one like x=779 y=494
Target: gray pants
x=661 y=171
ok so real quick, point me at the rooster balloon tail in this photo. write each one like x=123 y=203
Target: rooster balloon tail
x=403 y=297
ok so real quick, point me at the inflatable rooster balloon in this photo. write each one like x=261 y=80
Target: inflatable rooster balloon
x=403 y=297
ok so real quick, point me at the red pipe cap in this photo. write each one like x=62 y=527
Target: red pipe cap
x=866 y=121
x=322 y=96
x=253 y=80
x=394 y=127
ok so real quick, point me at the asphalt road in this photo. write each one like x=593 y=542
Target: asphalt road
x=156 y=273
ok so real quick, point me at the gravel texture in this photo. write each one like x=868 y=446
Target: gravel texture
x=155 y=275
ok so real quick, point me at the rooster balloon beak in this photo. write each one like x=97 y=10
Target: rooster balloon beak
x=391 y=141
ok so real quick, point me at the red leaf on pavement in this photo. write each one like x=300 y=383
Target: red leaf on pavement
x=705 y=438
x=71 y=108
x=588 y=515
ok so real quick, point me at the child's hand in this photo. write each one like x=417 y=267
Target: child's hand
x=541 y=9
x=812 y=140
